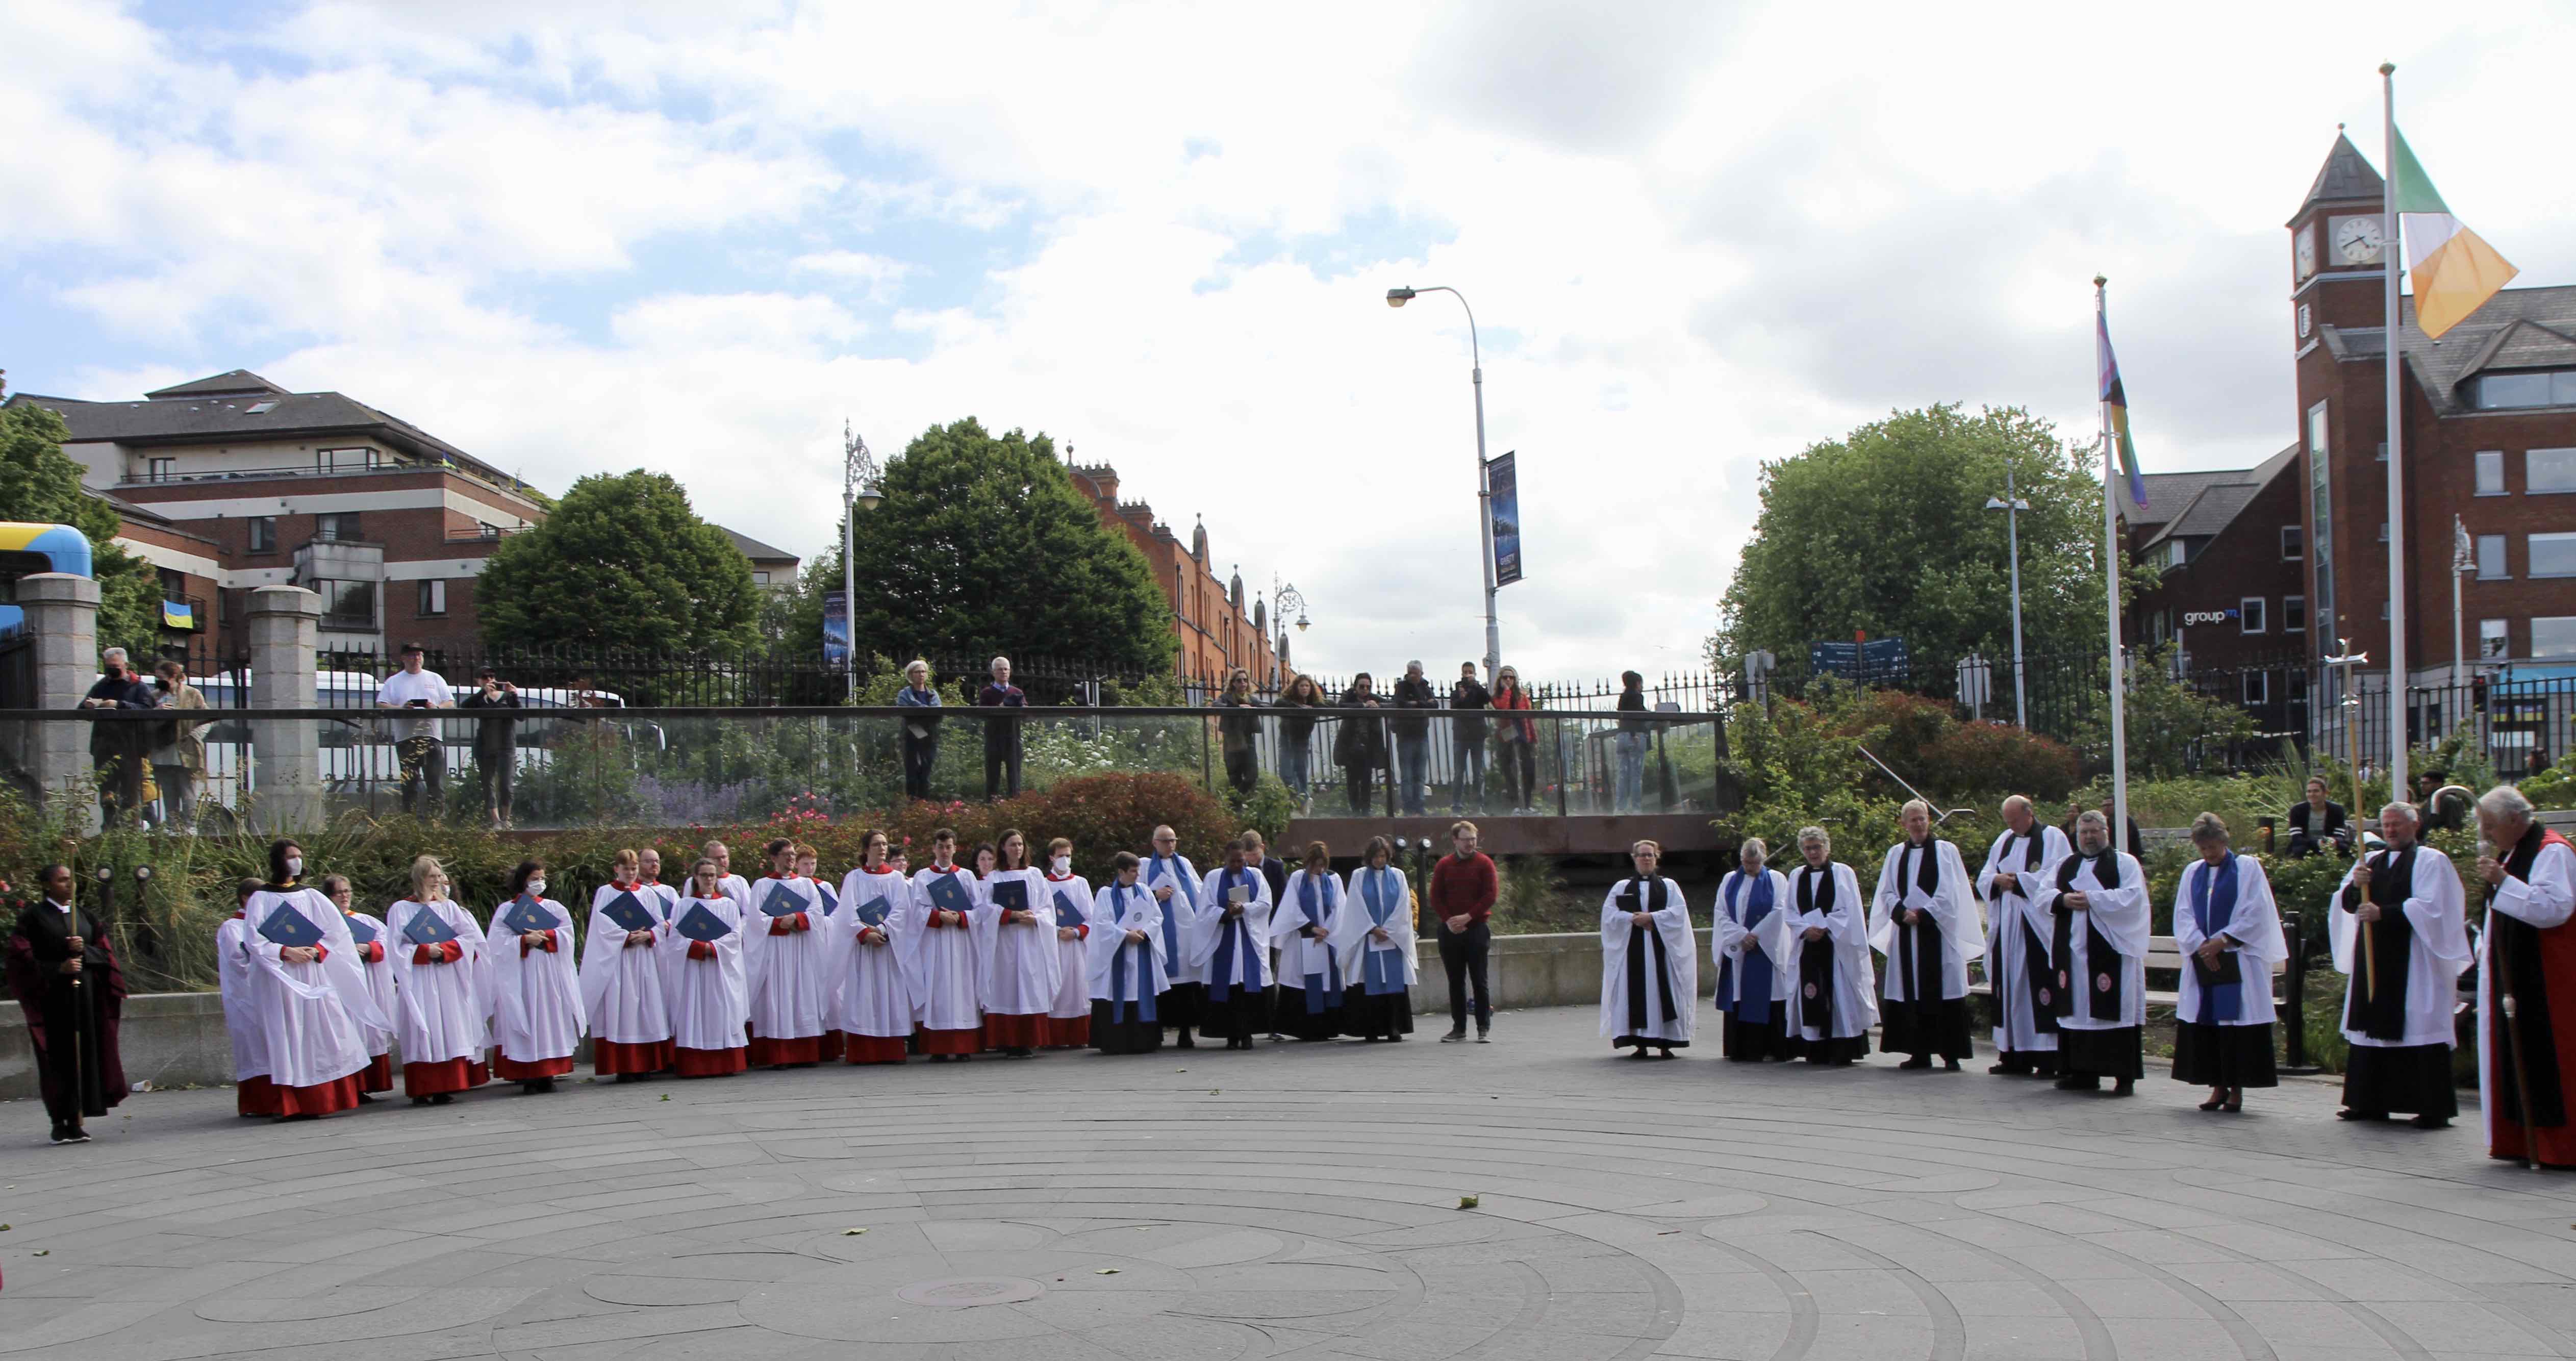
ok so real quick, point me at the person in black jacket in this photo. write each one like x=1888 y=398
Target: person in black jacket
x=1238 y=733
x=1467 y=741
x=1360 y=747
x=119 y=750
x=496 y=742
x=1297 y=735
x=2317 y=822
x=1412 y=731
x=1634 y=736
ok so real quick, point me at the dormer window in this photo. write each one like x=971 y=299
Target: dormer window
x=2526 y=387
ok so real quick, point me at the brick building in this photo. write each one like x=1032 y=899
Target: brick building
x=1216 y=628
x=232 y=482
x=2232 y=591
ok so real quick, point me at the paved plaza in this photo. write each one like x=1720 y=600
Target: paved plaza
x=1300 y=1200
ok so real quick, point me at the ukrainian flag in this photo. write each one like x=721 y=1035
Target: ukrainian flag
x=178 y=614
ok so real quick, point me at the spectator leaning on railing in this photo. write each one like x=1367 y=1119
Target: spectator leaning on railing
x=1412 y=730
x=1516 y=742
x=1001 y=734
x=919 y=733
x=424 y=759
x=1238 y=733
x=1467 y=741
x=1297 y=735
x=119 y=750
x=1360 y=747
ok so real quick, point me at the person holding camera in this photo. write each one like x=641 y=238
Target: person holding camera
x=179 y=762
x=496 y=743
x=424 y=760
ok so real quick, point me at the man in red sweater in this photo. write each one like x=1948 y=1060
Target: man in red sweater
x=1463 y=888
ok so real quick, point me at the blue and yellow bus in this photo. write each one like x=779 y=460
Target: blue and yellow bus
x=26 y=550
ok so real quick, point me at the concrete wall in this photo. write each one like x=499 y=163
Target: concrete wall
x=177 y=1039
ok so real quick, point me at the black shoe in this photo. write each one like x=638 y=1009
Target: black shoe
x=2427 y=1121
x=420 y=1101
x=1454 y=1036
x=1484 y=1034
x=1917 y=1063
x=442 y=1098
x=1186 y=1043
x=56 y=1136
x=1949 y=1065
x=1637 y=1053
x=2127 y=1086
x=2360 y=1115
x=365 y=1100
x=2079 y=1084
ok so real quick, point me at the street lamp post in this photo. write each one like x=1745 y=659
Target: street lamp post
x=2012 y=506
x=859 y=491
x=1285 y=597
x=1398 y=297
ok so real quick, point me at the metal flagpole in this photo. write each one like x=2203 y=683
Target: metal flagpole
x=2111 y=589
x=2392 y=257
x=2460 y=558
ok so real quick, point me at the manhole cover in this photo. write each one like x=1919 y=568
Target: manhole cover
x=965 y=1292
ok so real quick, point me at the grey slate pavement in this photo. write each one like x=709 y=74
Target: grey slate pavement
x=1300 y=1200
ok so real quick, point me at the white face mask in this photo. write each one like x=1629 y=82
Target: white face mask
x=536 y=888
x=1063 y=865
x=294 y=866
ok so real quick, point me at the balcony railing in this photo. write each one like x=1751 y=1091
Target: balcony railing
x=151 y=479
x=479 y=534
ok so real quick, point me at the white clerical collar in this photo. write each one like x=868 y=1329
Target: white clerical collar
x=64 y=908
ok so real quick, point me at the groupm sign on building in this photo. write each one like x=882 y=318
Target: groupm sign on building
x=2191 y=617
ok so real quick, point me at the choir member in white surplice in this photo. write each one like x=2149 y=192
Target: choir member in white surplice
x=1015 y=940
x=735 y=886
x=1230 y=946
x=1308 y=925
x=663 y=898
x=442 y=1015
x=1068 y=1022
x=1125 y=963
x=537 y=1020
x=1378 y=950
x=1751 y=946
x=1649 y=961
x=871 y=1007
x=2098 y=956
x=1924 y=919
x=2012 y=885
x=2229 y=933
x=935 y=939
x=2527 y=983
x=252 y=1093
x=787 y=958
x=1835 y=1000
x=710 y=1000
x=2397 y=929
x=368 y=931
x=316 y=1016
x=623 y=968
x=1177 y=887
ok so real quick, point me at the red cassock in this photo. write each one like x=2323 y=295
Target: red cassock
x=2529 y=1060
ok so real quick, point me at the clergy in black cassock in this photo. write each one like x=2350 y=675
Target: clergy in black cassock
x=64 y=973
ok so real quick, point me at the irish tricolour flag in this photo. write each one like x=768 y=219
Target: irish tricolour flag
x=2455 y=270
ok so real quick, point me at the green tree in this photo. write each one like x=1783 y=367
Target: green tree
x=623 y=562
x=984 y=546
x=40 y=484
x=2167 y=728
x=1886 y=531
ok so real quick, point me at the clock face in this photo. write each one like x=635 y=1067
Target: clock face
x=2307 y=252
x=2357 y=240
x=2307 y=322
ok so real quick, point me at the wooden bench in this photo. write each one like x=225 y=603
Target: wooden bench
x=2166 y=957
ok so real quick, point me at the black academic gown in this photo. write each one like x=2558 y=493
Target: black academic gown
x=72 y=1024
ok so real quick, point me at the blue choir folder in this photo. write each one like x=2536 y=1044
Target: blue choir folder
x=290 y=928
x=362 y=929
x=699 y=924
x=1011 y=895
x=428 y=928
x=947 y=896
x=782 y=901
x=524 y=916
x=628 y=913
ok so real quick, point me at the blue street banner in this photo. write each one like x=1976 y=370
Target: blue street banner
x=1503 y=502
x=1880 y=660
x=836 y=629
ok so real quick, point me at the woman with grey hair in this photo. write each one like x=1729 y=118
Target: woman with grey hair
x=918 y=734
x=1833 y=986
x=2229 y=931
x=1750 y=949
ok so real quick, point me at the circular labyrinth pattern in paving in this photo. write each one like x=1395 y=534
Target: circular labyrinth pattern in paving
x=1301 y=1200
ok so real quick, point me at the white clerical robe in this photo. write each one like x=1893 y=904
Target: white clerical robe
x=439 y=1009
x=1179 y=912
x=870 y=997
x=1648 y=993
x=1237 y=950
x=235 y=974
x=1018 y=964
x=2018 y=932
x=2245 y=915
x=1732 y=940
x=536 y=992
x=708 y=997
x=664 y=900
x=2435 y=912
x=1830 y=900
x=376 y=967
x=318 y=1019
x=2544 y=899
x=940 y=962
x=622 y=982
x=787 y=959
x=1305 y=963
x=2123 y=915
x=1951 y=905
x=1070 y=896
x=1377 y=900
x=1122 y=970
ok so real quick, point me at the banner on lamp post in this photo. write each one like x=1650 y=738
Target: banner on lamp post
x=1503 y=512
x=836 y=629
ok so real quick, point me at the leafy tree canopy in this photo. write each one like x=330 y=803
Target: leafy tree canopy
x=623 y=562
x=40 y=484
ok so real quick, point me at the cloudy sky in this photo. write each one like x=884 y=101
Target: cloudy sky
x=585 y=237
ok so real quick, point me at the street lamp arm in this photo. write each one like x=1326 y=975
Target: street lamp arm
x=1475 y=348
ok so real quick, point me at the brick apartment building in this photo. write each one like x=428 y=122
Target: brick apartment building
x=232 y=482
x=1217 y=630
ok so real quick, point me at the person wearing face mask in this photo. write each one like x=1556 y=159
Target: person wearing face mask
x=368 y=930
x=1068 y=1022
x=64 y=973
x=871 y=1007
x=179 y=765
x=710 y=1003
x=537 y=1018
x=2101 y=911
x=441 y=1016
x=1835 y=998
x=317 y=1018
x=1016 y=954
x=120 y=750
x=622 y=975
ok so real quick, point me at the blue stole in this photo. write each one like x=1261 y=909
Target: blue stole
x=1228 y=961
x=1156 y=868
x=1380 y=972
x=1120 y=1004
x=1323 y=990
x=2219 y=1002
x=1749 y=997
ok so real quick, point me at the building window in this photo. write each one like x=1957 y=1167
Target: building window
x=263 y=534
x=2176 y=553
x=2493 y=639
x=336 y=528
x=2545 y=470
x=2258 y=687
x=347 y=604
x=2540 y=387
x=334 y=460
x=2491 y=557
x=2553 y=636
x=2383 y=531
x=2298 y=686
x=2294 y=614
x=2321 y=512
x=760 y=578
x=2490 y=465
x=2294 y=543
x=161 y=469
x=2551 y=555
x=433 y=599
x=2249 y=614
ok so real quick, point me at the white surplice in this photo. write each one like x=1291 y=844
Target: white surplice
x=1072 y=957
x=1122 y=970
x=1180 y=912
x=1304 y=961
x=1018 y=964
x=870 y=997
x=1378 y=900
x=2010 y=913
x=2252 y=920
x=1246 y=939
x=1953 y=908
x=790 y=970
x=536 y=993
x=439 y=1009
x=318 y=1020
x=709 y=999
x=1834 y=905
x=236 y=975
x=379 y=973
x=2435 y=912
x=2124 y=915
x=1731 y=940
x=2542 y=900
x=1679 y=977
x=940 y=964
x=622 y=983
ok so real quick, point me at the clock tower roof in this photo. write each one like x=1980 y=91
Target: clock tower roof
x=2344 y=178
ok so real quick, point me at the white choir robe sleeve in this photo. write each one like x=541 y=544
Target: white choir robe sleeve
x=832 y=941
x=1963 y=924
x=1119 y=912
x=318 y=1019
x=1855 y=971
x=1730 y=940
x=536 y=1005
x=1355 y=940
x=380 y=980
x=2435 y=910
x=1073 y=957
x=439 y=1012
x=1726 y=931
x=1887 y=903
x=1019 y=961
x=233 y=969
x=621 y=983
x=2548 y=897
x=1301 y=955
x=2342 y=928
x=1681 y=952
x=2125 y=915
x=709 y=999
